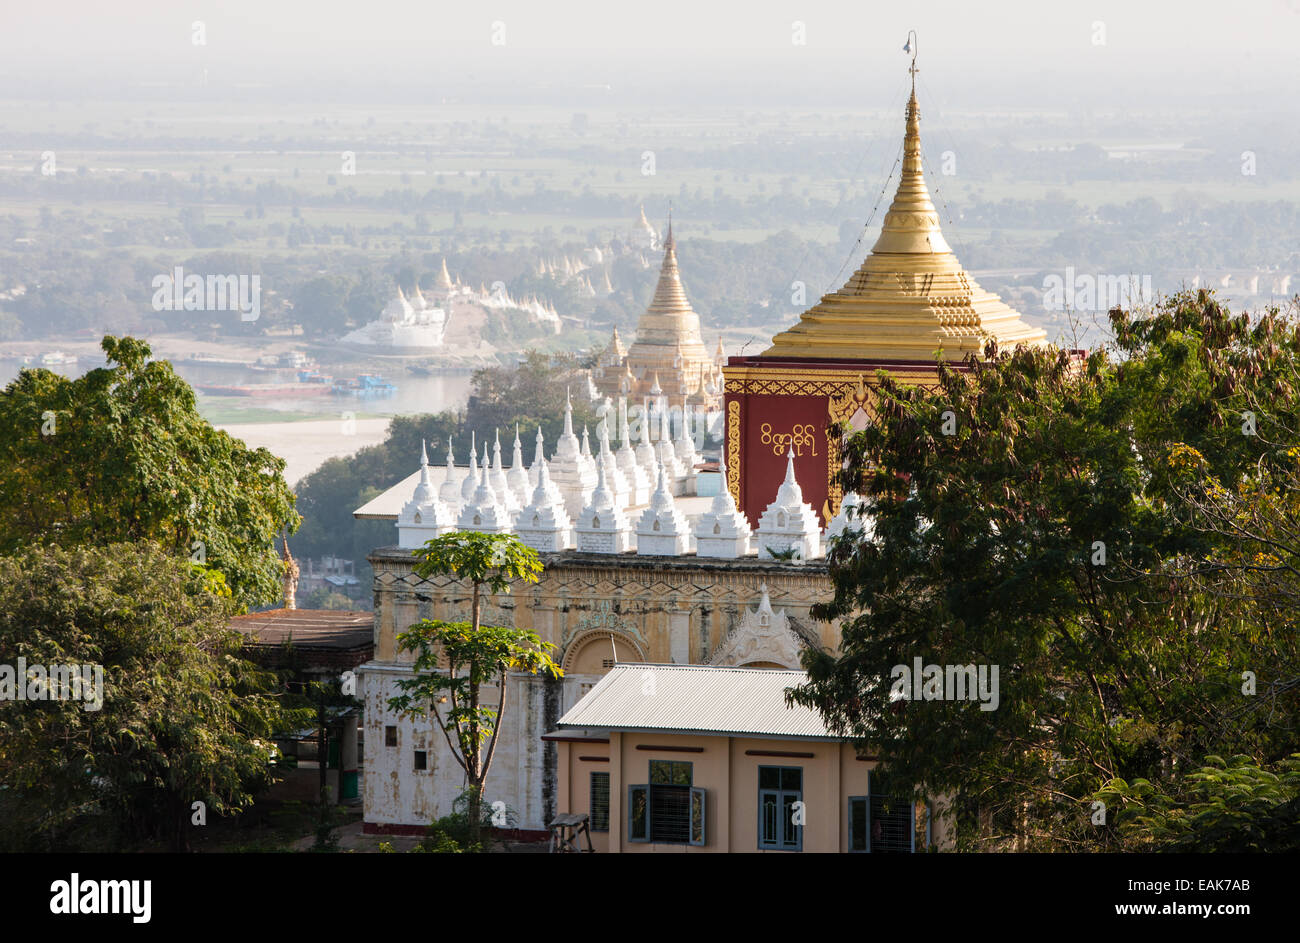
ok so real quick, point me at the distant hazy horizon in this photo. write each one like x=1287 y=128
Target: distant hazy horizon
x=1017 y=54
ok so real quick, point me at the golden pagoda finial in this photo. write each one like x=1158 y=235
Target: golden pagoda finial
x=911 y=46
x=910 y=296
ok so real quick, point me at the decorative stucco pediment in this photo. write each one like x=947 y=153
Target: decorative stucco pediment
x=761 y=635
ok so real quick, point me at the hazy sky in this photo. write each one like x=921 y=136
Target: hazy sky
x=1241 y=54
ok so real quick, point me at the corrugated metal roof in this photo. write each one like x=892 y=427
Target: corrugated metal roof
x=697 y=699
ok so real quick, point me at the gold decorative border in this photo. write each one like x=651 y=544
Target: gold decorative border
x=845 y=394
x=733 y=450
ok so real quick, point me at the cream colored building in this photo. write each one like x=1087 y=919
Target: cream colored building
x=670 y=758
x=598 y=610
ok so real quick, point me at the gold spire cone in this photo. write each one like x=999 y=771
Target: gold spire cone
x=910 y=297
x=669 y=321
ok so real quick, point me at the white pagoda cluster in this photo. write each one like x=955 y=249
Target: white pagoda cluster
x=419 y=320
x=615 y=501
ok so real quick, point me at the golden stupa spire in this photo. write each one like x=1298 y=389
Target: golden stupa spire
x=443 y=281
x=912 y=223
x=670 y=297
x=911 y=296
x=668 y=340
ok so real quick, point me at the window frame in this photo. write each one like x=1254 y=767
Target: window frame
x=779 y=795
x=697 y=815
x=591 y=800
x=911 y=804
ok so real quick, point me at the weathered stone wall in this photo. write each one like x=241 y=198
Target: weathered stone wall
x=595 y=609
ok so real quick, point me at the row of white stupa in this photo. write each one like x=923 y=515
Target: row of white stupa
x=582 y=501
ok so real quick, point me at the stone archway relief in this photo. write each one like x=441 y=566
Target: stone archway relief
x=761 y=635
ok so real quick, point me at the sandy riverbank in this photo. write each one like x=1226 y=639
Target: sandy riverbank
x=305 y=446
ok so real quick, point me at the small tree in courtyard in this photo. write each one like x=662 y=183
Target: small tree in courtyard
x=455 y=659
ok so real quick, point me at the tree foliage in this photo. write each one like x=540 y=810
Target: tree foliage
x=184 y=718
x=122 y=454
x=1114 y=533
x=455 y=660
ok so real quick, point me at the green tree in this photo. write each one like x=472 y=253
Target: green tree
x=122 y=454
x=1231 y=805
x=320 y=305
x=183 y=718
x=454 y=660
x=532 y=393
x=1034 y=512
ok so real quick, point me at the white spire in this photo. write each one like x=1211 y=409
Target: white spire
x=538 y=458
x=573 y=474
x=518 y=474
x=664 y=450
x=645 y=452
x=450 y=490
x=543 y=523
x=788 y=521
x=500 y=483
x=471 y=478
x=602 y=527
x=638 y=481
x=484 y=512
x=849 y=523
x=723 y=531
x=618 y=482
x=684 y=445
x=662 y=529
x=423 y=516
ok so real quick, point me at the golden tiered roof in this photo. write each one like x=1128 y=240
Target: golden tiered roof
x=668 y=334
x=668 y=346
x=910 y=297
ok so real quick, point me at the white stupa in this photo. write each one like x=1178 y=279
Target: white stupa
x=617 y=480
x=662 y=531
x=587 y=457
x=485 y=513
x=664 y=450
x=637 y=478
x=568 y=470
x=722 y=530
x=539 y=458
x=645 y=450
x=543 y=524
x=424 y=516
x=789 y=522
x=848 y=523
x=684 y=444
x=449 y=491
x=518 y=474
x=500 y=482
x=602 y=527
x=470 y=484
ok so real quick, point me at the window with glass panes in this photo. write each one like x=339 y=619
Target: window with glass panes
x=780 y=788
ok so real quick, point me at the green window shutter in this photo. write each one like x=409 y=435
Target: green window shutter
x=697 y=815
x=638 y=813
